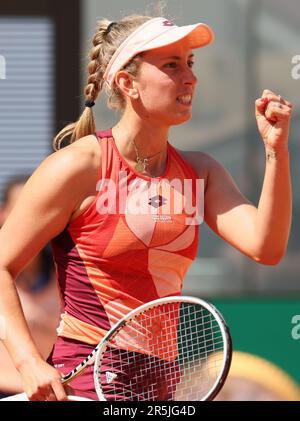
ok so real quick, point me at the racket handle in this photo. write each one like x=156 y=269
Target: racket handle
x=18 y=397
x=90 y=359
x=70 y=377
x=78 y=398
x=23 y=397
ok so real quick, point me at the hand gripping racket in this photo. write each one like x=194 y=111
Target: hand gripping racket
x=170 y=349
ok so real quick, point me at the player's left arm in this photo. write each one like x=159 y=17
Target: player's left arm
x=260 y=232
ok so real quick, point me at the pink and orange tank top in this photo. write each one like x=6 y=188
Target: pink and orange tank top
x=133 y=244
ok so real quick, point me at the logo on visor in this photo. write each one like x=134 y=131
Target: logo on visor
x=168 y=23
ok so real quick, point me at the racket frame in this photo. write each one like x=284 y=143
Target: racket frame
x=227 y=342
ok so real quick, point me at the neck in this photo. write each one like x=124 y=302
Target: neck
x=134 y=135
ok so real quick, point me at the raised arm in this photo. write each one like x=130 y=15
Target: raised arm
x=260 y=232
x=42 y=211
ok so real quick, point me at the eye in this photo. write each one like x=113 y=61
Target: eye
x=171 y=65
x=191 y=63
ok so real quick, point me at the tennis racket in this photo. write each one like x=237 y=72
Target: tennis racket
x=23 y=397
x=170 y=349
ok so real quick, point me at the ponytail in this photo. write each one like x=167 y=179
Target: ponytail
x=83 y=127
x=107 y=38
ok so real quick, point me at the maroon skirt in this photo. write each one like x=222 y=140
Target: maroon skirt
x=120 y=380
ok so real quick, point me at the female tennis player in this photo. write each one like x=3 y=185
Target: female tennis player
x=122 y=206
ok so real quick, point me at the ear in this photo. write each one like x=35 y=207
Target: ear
x=126 y=84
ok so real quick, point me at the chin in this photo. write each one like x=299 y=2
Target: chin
x=182 y=119
x=173 y=119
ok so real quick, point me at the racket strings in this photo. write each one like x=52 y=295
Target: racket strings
x=169 y=352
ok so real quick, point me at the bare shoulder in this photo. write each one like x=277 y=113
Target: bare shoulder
x=74 y=164
x=79 y=164
x=84 y=154
x=67 y=176
x=203 y=163
x=47 y=202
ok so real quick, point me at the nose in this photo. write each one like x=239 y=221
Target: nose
x=189 y=77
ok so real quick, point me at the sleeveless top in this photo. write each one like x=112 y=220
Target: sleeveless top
x=133 y=244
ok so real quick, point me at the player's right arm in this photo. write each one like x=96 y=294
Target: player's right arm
x=42 y=211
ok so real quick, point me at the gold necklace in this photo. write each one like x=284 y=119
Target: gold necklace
x=142 y=163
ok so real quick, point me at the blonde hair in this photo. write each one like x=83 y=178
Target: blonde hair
x=105 y=44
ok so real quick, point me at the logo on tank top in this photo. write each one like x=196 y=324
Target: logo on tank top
x=157 y=201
